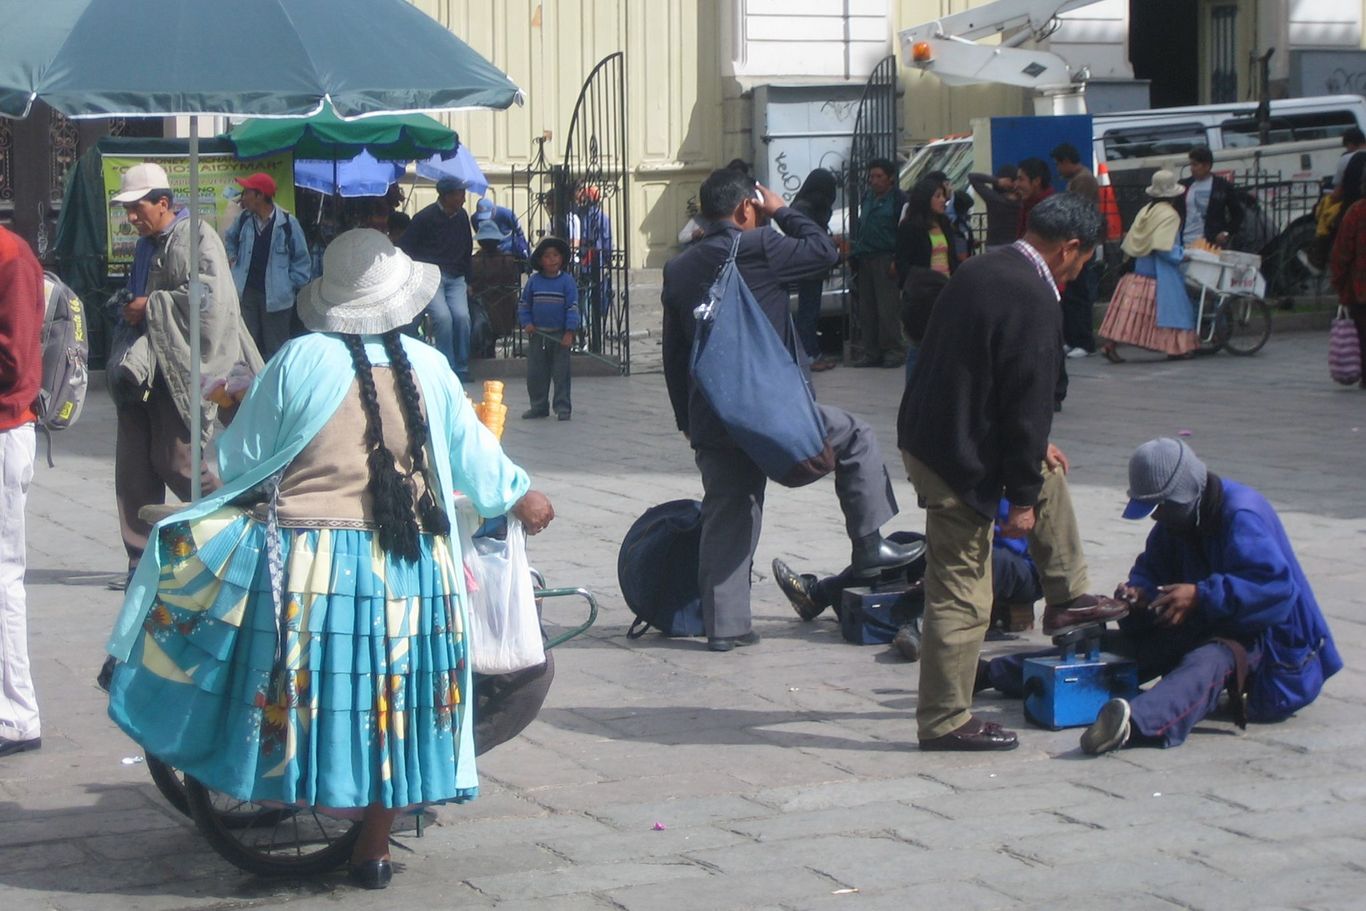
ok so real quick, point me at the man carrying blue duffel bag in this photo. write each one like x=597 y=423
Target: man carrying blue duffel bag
x=734 y=467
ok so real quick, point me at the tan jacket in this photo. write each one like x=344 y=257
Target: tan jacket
x=223 y=337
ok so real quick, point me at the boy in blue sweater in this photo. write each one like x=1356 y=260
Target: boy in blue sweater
x=549 y=314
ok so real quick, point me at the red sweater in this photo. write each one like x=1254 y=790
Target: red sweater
x=1349 y=256
x=21 y=329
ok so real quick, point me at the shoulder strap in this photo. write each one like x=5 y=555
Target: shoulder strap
x=289 y=234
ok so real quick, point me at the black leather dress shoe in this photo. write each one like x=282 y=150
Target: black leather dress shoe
x=974 y=735
x=797 y=588
x=726 y=643
x=372 y=874
x=873 y=554
x=8 y=747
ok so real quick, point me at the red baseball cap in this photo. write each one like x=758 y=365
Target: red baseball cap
x=262 y=183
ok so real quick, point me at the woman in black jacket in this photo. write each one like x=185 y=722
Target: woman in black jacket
x=924 y=258
x=924 y=239
x=815 y=200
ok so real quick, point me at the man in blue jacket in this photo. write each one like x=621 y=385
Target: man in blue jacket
x=270 y=262
x=1218 y=600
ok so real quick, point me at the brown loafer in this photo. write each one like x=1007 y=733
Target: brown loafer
x=974 y=735
x=1081 y=611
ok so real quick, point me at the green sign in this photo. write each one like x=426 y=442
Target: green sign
x=218 y=191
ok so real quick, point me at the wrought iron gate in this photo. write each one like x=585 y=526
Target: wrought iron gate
x=875 y=136
x=875 y=133
x=586 y=200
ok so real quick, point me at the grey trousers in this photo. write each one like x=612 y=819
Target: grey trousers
x=733 y=512
x=269 y=330
x=546 y=360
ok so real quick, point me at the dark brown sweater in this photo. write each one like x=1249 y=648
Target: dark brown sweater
x=981 y=407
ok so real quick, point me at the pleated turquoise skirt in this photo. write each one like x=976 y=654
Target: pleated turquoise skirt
x=362 y=700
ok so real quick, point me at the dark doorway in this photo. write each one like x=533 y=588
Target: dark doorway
x=1164 y=47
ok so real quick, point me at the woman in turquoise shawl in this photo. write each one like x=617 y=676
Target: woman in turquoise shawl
x=299 y=637
x=1150 y=307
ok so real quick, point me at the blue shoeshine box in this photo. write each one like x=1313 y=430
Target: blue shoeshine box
x=1068 y=692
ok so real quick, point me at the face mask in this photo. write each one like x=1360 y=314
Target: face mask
x=1180 y=515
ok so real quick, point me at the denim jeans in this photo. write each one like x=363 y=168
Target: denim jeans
x=450 y=313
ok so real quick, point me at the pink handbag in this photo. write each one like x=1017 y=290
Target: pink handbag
x=1344 y=353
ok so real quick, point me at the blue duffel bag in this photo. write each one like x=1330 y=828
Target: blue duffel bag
x=657 y=569
x=752 y=381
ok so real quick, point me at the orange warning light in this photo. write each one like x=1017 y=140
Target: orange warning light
x=921 y=52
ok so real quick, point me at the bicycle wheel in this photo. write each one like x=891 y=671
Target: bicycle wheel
x=1242 y=324
x=293 y=841
x=170 y=782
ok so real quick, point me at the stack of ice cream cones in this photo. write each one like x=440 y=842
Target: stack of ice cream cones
x=491 y=411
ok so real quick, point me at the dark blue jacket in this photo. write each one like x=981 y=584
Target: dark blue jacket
x=1250 y=588
x=550 y=304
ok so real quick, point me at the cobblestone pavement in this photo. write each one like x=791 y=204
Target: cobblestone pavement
x=784 y=776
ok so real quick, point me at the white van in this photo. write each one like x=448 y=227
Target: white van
x=1305 y=140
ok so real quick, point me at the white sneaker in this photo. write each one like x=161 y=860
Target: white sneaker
x=1110 y=730
x=1078 y=352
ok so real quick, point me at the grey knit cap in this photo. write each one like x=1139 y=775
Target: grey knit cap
x=1163 y=470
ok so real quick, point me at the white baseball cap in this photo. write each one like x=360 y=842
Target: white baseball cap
x=139 y=180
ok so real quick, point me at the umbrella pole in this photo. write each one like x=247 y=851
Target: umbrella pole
x=196 y=402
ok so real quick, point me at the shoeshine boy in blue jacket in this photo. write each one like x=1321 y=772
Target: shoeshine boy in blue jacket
x=1250 y=588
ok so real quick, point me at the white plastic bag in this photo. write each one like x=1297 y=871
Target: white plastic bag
x=505 y=632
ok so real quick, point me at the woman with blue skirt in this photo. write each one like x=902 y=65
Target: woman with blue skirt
x=299 y=638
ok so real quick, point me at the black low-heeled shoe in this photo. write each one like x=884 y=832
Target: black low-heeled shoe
x=372 y=874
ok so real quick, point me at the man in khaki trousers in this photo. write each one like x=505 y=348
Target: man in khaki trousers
x=973 y=429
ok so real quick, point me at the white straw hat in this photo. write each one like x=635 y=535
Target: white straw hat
x=1164 y=186
x=368 y=286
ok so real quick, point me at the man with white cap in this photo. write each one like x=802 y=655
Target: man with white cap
x=1218 y=601
x=270 y=262
x=152 y=451
x=440 y=234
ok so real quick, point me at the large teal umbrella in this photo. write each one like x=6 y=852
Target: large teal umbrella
x=392 y=137
x=262 y=58
x=251 y=58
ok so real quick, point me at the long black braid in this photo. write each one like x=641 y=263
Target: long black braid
x=429 y=509
x=391 y=494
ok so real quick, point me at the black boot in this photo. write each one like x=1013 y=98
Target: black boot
x=874 y=554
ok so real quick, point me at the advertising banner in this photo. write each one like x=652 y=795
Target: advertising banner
x=218 y=191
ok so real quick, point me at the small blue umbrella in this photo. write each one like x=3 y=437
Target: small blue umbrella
x=363 y=175
x=461 y=165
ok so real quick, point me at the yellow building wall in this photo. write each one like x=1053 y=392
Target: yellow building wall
x=685 y=115
x=673 y=92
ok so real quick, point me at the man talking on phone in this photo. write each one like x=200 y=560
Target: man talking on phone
x=1217 y=602
x=738 y=213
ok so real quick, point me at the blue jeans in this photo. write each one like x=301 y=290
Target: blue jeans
x=450 y=313
x=809 y=314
